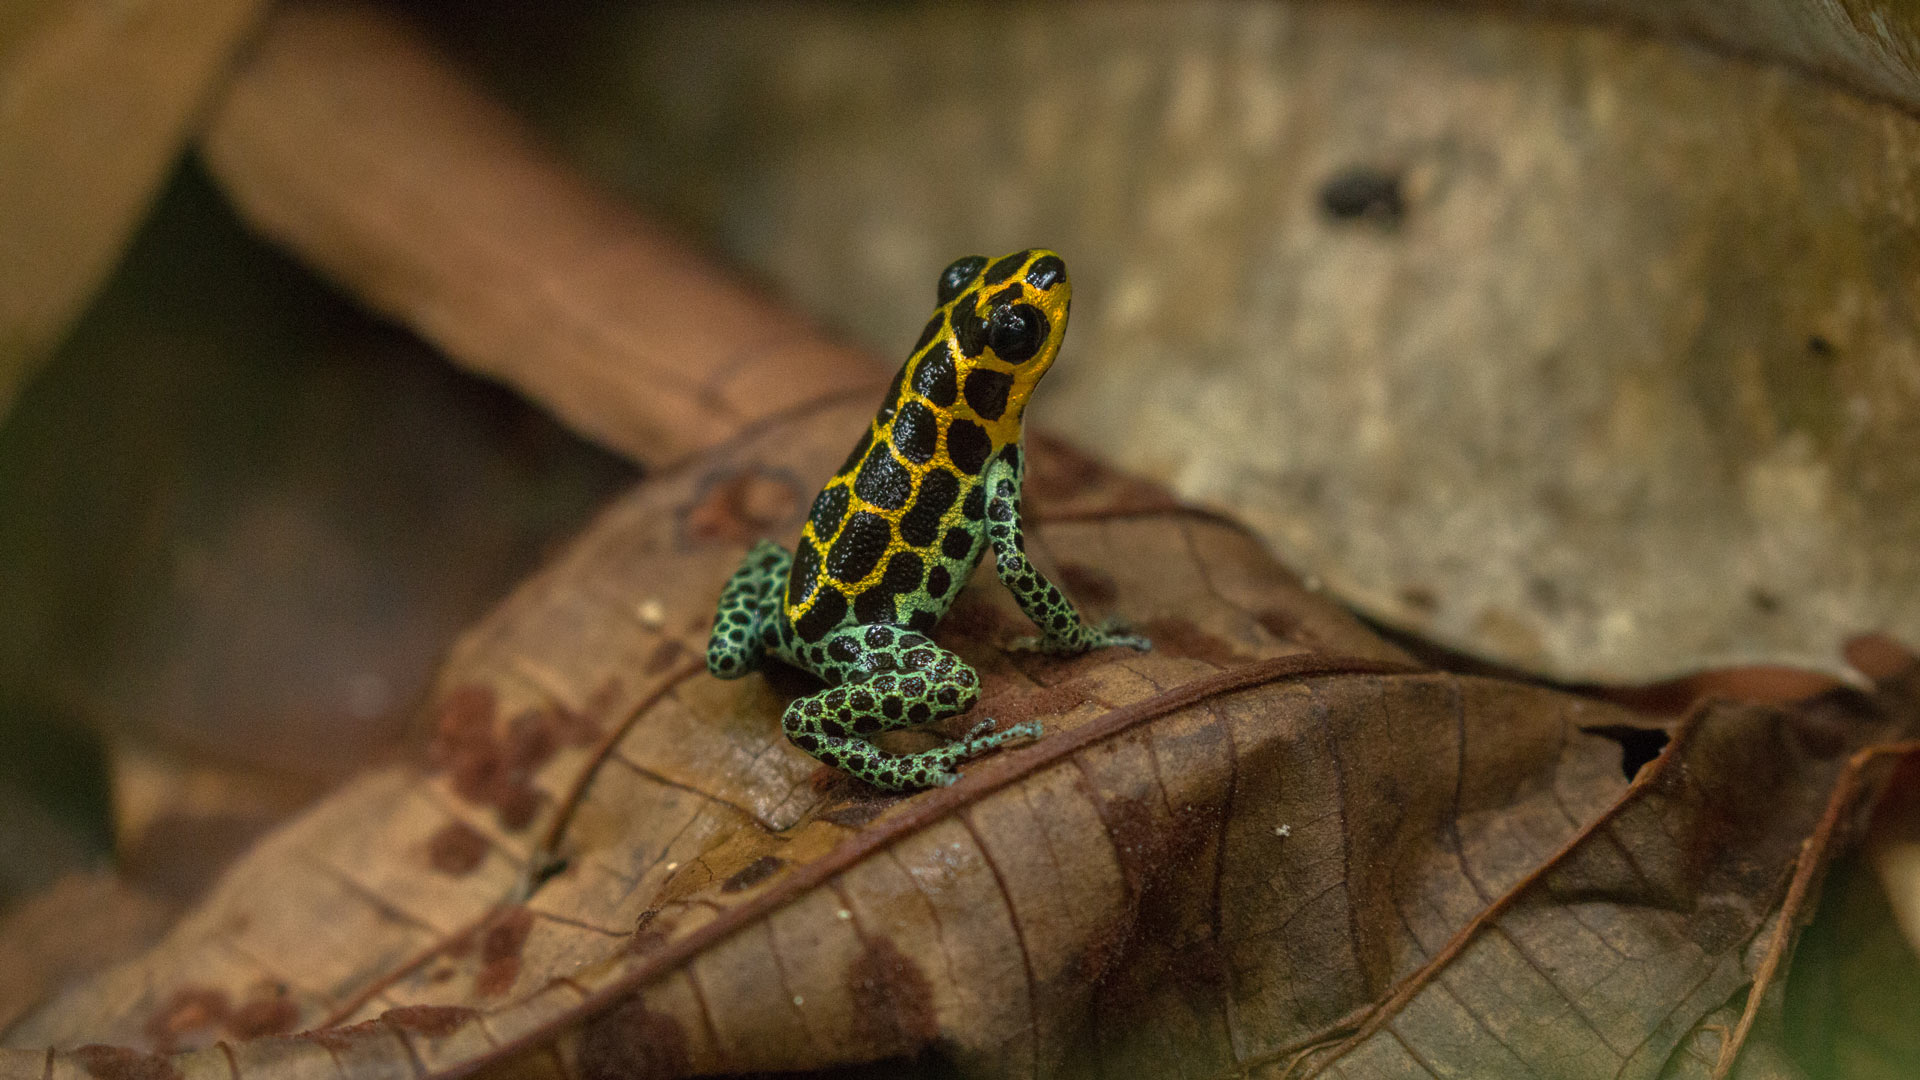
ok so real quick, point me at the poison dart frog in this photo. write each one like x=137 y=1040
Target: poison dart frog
x=932 y=484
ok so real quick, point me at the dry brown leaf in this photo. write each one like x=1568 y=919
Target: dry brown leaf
x=1268 y=845
x=95 y=105
x=1564 y=346
x=350 y=141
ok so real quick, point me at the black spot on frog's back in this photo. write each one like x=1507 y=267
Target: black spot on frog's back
x=892 y=400
x=829 y=607
x=920 y=526
x=934 y=378
x=828 y=508
x=883 y=481
x=969 y=332
x=858 y=550
x=916 y=432
x=986 y=392
x=1046 y=272
x=804 y=573
x=859 y=453
x=968 y=444
x=926 y=335
x=1005 y=268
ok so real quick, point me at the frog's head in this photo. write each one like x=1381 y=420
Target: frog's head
x=1005 y=319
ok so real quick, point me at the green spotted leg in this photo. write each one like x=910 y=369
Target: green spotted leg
x=749 y=611
x=1062 y=631
x=891 y=679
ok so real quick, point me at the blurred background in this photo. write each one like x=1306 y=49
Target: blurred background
x=1576 y=339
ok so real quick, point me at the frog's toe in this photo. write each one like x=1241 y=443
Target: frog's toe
x=1116 y=633
x=984 y=727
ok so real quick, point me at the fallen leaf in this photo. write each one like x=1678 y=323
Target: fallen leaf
x=96 y=103
x=1242 y=853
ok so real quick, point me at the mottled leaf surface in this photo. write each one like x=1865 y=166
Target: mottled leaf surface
x=1269 y=845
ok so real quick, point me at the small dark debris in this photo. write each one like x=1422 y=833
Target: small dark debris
x=1819 y=347
x=1763 y=601
x=1420 y=598
x=1364 y=193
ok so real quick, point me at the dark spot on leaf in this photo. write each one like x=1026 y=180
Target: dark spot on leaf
x=272 y=1014
x=753 y=873
x=1179 y=636
x=498 y=771
x=663 y=656
x=627 y=1042
x=120 y=1063
x=500 y=949
x=892 y=1001
x=457 y=849
x=858 y=811
x=1137 y=843
x=1637 y=745
x=433 y=1021
x=1364 y=193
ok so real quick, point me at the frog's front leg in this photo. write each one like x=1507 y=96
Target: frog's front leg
x=1062 y=631
x=749 y=608
x=889 y=679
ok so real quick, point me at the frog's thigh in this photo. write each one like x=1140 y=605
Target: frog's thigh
x=749 y=603
x=888 y=678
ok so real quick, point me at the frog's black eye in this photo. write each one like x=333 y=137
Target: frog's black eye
x=1015 y=331
x=958 y=276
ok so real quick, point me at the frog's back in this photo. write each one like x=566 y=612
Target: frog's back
x=898 y=530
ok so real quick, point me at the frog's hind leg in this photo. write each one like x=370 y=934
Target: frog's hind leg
x=890 y=679
x=749 y=608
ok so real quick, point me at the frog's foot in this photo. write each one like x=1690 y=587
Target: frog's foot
x=979 y=740
x=894 y=679
x=749 y=605
x=1082 y=638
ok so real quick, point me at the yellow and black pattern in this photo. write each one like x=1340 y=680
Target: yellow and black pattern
x=931 y=485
